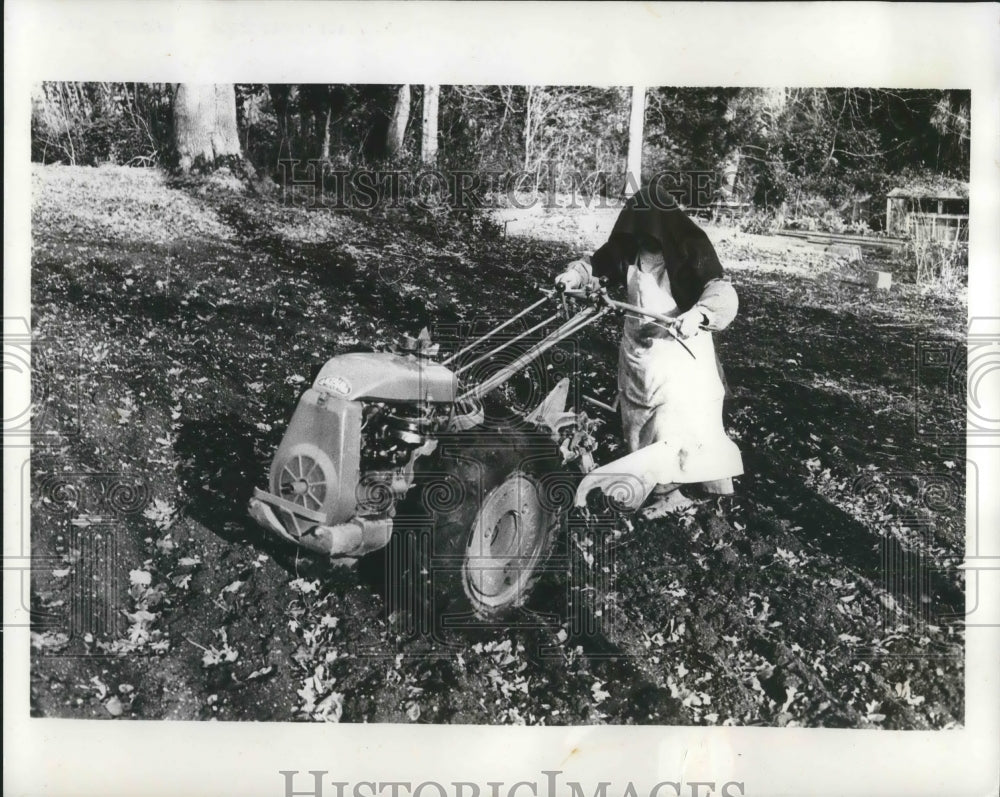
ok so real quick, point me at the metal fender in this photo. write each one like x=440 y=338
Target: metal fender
x=628 y=481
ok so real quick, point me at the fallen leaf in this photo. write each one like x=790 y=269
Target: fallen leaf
x=51 y=640
x=100 y=686
x=260 y=673
x=140 y=578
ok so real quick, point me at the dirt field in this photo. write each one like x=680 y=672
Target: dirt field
x=176 y=325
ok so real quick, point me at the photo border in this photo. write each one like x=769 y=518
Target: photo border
x=746 y=44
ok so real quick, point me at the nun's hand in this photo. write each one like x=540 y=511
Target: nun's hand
x=576 y=275
x=690 y=323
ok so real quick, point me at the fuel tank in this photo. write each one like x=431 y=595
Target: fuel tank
x=381 y=376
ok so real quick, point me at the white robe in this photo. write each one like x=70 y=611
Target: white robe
x=669 y=399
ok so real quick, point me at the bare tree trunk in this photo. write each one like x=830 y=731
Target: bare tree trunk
x=205 y=124
x=397 y=125
x=633 y=168
x=429 y=140
x=69 y=136
x=527 y=128
x=325 y=150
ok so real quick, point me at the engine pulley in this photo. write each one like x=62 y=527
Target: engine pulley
x=406 y=430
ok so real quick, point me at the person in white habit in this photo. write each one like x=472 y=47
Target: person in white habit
x=668 y=398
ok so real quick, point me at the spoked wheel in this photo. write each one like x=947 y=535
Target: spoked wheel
x=482 y=522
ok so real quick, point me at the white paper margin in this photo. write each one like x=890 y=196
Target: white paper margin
x=747 y=44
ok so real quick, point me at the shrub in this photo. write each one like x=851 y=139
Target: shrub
x=860 y=227
x=89 y=124
x=946 y=262
x=759 y=222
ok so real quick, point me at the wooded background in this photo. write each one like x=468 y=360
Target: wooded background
x=818 y=150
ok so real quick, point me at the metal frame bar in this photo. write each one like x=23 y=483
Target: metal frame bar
x=667 y=322
x=573 y=325
x=510 y=342
x=494 y=331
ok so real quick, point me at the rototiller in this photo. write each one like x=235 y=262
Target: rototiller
x=493 y=500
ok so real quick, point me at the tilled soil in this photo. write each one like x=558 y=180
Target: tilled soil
x=168 y=360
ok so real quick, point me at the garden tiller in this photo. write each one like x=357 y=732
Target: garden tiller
x=492 y=500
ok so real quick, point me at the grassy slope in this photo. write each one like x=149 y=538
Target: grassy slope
x=175 y=327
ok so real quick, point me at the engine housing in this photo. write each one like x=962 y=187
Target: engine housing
x=316 y=475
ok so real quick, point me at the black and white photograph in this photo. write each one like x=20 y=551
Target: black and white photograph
x=574 y=403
